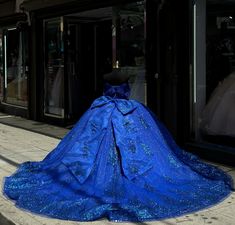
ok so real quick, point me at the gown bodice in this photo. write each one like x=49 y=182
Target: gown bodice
x=117 y=91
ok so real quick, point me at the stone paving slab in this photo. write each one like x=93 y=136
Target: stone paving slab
x=31 y=125
x=18 y=145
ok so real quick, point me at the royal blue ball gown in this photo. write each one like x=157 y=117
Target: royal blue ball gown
x=118 y=162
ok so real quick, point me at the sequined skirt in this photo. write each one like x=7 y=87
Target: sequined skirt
x=118 y=162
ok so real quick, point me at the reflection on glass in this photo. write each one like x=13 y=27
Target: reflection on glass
x=1 y=67
x=16 y=63
x=130 y=45
x=217 y=120
x=54 y=67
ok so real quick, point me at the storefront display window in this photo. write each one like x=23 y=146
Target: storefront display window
x=214 y=86
x=15 y=67
x=129 y=40
x=54 y=67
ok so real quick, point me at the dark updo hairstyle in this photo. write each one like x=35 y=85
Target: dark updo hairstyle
x=116 y=77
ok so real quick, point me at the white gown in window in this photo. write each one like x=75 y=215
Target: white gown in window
x=218 y=117
x=57 y=93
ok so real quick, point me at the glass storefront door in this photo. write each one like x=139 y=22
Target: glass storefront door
x=81 y=47
x=87 y=48
x=213 y=80
x=14 y=67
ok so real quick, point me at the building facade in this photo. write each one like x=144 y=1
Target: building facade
x=179 y=56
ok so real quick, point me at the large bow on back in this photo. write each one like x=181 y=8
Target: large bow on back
x=111 y=120
x=123 y=105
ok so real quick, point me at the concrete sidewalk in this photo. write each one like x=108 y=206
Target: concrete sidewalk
x=19 y=145
x=31 y=125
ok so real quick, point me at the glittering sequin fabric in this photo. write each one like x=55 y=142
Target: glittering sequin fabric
x=118 y=162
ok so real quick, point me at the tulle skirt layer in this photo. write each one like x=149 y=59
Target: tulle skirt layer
x=121 y=163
